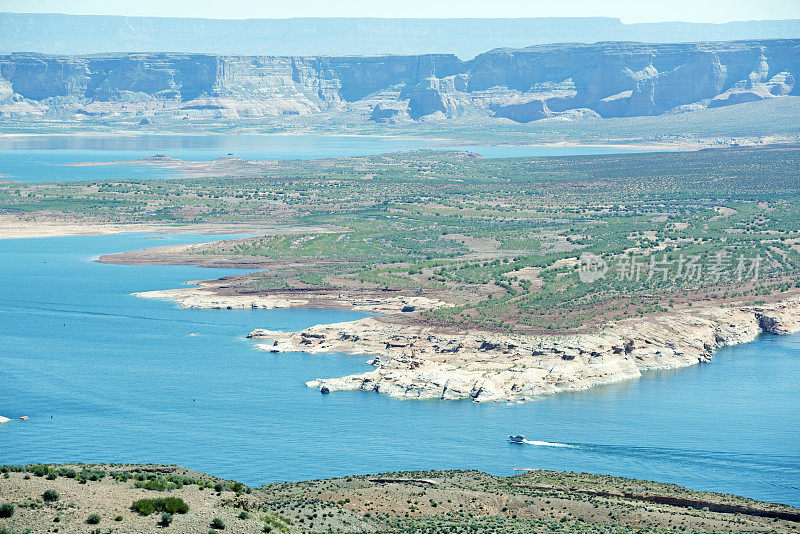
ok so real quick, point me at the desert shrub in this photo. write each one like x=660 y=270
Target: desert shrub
x=91 y=474
x=180 y=480
x=170 y=505
x=6 y=510
x=118 y=518
x=244 y=515
x=50 y=495
x=144 y=506
x=93 y=519
x=39 y=470
x=66 y=472
x=166 y=519
x=154 y=485
x=272 y=522
x=218 y=523
x=173 y=505
x=121 y=476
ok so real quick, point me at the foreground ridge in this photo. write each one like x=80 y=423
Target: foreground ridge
x=126 y=497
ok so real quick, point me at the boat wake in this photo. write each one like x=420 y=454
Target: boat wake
x=547 y=444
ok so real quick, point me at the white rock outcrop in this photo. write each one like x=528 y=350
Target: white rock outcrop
x=423 y=362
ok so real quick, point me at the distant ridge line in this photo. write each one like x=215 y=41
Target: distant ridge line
x=63 y=34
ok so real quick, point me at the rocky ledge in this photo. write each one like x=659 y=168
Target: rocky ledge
x=422 y=362
x=207 y=296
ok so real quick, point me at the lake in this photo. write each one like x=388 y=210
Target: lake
x=108 y=377
x=51 y=158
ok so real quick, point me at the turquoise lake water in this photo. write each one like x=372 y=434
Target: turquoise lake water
x=108 y=377
x=49 y=158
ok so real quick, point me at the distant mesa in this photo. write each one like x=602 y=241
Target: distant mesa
x=567 y=82
x=53 y=33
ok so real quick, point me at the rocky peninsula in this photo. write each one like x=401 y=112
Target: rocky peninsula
x=423 y=362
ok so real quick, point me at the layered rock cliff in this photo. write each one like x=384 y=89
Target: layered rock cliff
x=422 y=362
x=522 y=85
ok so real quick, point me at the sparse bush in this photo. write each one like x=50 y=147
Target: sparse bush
x=218 y=523
x=166 y=519
x=93 y=519
x=170 y=505
x=173 y=505
x=66 y=472
x=154 y=485
x=6 y=510
x=39 y=470
x=91 y=474
x=144 y=506
x=50 y=495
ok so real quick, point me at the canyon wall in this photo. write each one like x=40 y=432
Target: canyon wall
x=563 y=80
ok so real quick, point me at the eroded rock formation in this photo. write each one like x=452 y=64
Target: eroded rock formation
x=424 y=362
x=522 y=85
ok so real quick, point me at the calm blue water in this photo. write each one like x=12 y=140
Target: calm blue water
x=108 y=377
x=48 y=158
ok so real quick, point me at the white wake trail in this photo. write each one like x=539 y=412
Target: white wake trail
x=547 y=444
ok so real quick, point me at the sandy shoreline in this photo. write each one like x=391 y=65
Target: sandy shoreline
x=437 y=141
x=14 y=228
x=205 y=297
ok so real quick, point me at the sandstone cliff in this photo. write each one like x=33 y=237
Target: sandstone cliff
x=574 y=80
x=425 y=363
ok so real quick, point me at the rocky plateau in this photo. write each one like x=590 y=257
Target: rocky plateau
x=557 y=81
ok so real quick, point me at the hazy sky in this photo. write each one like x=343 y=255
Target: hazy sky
x=627 y=10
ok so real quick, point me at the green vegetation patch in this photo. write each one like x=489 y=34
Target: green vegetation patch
x=170 y=505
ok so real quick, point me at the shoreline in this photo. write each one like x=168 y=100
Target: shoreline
x=423 y=362
x=413 y=360
x=204 y=297
x=14 y=228
x=439 y=140
x=418 y=361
